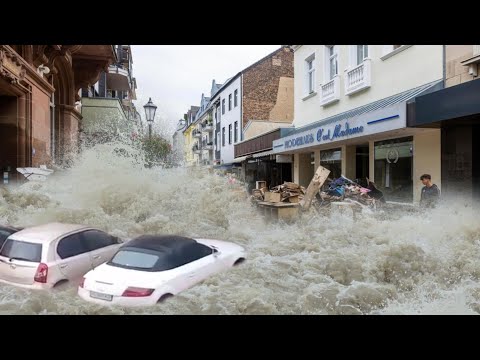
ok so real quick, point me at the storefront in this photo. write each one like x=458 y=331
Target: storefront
x=394 y=168
x=266 y=168
x=458 y=119
x=372 y=141
x=260 y=163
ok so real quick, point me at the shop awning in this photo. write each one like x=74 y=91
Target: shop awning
x=459 y=101
x=240 y=159
x=263 y=153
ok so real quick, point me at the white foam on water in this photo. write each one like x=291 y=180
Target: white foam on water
x=382 y=263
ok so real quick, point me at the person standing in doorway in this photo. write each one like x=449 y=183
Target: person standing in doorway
x=430 y=192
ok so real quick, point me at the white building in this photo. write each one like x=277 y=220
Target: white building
x=178 y=152
x=351 y=115
x=227 y=106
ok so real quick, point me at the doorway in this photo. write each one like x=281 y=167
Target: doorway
x=8 y=136
x=362 y=162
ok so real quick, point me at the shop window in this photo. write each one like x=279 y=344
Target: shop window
x=394 y=169
x=332 y=160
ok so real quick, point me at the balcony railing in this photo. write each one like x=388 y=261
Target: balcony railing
x=196 y=133
x=208 y=119
x=330 y=91
x=196 y=149
x=207 y=145
x=208 y=127
x=358 y=78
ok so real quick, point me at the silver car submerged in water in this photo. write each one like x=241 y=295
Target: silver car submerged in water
x=44 y=256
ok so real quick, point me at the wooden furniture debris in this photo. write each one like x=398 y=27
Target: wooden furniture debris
x=279 y=211
x=260 y=184
x=272 y=197
x=315 y=184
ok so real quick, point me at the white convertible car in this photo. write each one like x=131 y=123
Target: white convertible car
x=150 y=268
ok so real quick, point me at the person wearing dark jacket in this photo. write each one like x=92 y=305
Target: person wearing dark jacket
x=430 y=192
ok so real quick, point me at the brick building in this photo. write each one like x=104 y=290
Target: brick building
x=39 y=100
x=267 y=88
x=261 y=92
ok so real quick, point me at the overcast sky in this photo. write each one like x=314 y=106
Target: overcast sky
x=175 y=76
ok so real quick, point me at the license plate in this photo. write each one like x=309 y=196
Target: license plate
x=101 y=296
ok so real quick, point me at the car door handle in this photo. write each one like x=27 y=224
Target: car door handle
x=97 y=256
x=63 y=266
x=191 y=275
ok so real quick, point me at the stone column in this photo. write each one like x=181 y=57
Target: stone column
x=296 y=168
x=350 y=162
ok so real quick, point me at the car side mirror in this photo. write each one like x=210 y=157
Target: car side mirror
x=215 y=251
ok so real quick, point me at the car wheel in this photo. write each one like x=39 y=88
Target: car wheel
x=60 y=284
x=164 y=297
x=239 y=261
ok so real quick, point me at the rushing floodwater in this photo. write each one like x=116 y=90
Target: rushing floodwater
x=402 y=263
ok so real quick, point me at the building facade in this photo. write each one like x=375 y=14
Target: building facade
x=228 y=109
x=202 y=129
x=188 y=134
x=107 y=106
x=178 y=144
x=261 y=92
x=455 y=113
x=351 y=115
x=40 y=100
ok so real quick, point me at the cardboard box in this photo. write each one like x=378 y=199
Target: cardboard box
x=273 y=197
x=294 y=199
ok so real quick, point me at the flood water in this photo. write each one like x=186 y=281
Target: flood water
x=399 y=262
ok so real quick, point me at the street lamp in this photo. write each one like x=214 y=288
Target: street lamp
x=150 y=109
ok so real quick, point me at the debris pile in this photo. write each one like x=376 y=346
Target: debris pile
x=288 y=192
x=343 y=189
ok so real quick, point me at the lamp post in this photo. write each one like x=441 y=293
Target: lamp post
x=150 y=109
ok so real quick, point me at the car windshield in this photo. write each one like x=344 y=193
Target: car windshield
x=22 y=250
x=134 y=259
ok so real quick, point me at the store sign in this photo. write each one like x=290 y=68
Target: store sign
x=284 y=159
x=366 y=124
x=324 y=134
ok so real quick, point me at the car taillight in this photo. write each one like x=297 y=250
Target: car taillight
x=82 y=283
x=137 y=292
x=42 y=273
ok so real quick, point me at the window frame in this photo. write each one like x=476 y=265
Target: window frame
x=365 y=54
x=230 y=134
x=27 y=244
x=84 y=236
x=235 y=132
x=223 y=106
x=329 y=56
x=223 y=136
x=229 y=102
x=235 y=98
x=80 y=236
x=310 y=75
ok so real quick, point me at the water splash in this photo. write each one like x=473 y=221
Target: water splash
x=389 y=263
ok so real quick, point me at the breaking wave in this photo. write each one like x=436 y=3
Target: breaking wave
x=401 y=262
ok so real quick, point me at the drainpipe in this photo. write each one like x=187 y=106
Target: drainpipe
x=444 y=65
x=241 y=107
